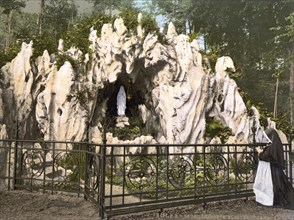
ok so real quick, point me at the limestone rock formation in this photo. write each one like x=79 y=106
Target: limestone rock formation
x=168 y=86
x=58 y=110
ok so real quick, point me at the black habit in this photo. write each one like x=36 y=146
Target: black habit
x=282 y=187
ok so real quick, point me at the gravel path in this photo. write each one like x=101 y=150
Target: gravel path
x=21 y=205
x=234 y=210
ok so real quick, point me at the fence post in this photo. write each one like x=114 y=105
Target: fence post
x=253 y=132
x=15 y=157
x=86 y=165
x=102 y=182
x=291 y=155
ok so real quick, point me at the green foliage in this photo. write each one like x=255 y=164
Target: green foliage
x=283 y=124
x=149 y=24
x=77 y=35
x=2 y=27
x=110 y=6
x=193 y=36
x=264 y=115
x=289 y=29
x=263 y=112
x=6 y=8
x=42 y=43
x=177 y=12
x=24 y=26
x=9 y=54
x=9 y=5
x=235 y=74
x=212 y=58
x=144 y=175
x=135 y=129
x=59 y=14
x=244 y=31
x=85 y=95
x=74 y=162
x=127 y=133
x=136 y=122
x=282 y=120
x=61 y=58
x=130 y=17
x=243 y=165
x=25 y=30
x=214 y=128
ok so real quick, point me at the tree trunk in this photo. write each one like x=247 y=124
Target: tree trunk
x=41 y=16
x=291 y=81
x=8 y=29
x=276 y=98
x=110 y=8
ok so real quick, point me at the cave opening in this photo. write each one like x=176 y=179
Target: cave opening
x=134 y=98
x=137 y=86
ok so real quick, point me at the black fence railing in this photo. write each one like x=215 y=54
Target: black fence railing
x=124 y=179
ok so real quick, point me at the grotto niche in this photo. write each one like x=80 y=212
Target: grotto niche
x=133 y=98
x=129 y=124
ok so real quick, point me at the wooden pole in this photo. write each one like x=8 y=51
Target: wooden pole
x=276 y=98
x=41 y=16
x=8 y=30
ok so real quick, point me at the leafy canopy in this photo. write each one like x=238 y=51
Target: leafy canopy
x=9 y=5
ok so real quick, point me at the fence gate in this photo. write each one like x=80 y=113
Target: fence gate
x=94 y=176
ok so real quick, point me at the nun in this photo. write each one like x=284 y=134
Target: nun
x=271 y=185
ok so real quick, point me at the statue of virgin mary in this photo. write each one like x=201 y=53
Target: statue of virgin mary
x=121 y=101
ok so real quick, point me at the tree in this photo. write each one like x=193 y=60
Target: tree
x=2 y=28
x=110 y=5
x=9 y=6
x=289 y=29
x=130 y=17
x=177 y=11
x=58 y=16
x=287 y=35
x=41 y=16
x=24 y=26
x=243 y=30
x=78 y=34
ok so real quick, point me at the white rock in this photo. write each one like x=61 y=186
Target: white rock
x=58 y=111
x=171 y=79
x=61 y=45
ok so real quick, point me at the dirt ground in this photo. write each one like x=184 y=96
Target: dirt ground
x=21 y=205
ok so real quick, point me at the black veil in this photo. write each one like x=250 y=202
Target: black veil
x=276 y=148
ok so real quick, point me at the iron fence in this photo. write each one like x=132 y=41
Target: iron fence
x=124 y=179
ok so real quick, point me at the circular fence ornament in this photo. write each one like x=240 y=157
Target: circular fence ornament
x=140 y=173
x=216 y=169
x=181 y=172
x=33 y=161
